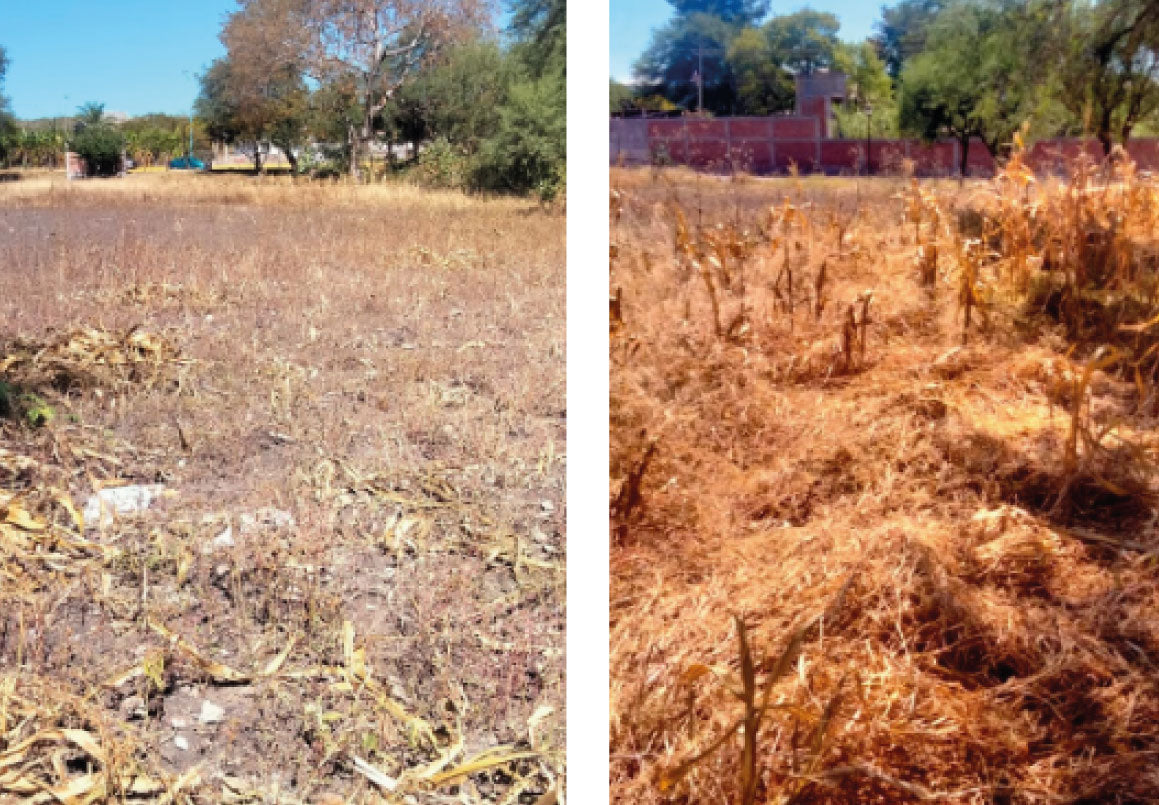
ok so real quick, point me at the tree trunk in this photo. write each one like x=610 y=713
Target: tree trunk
x=964 y=160
x=293 y=160
x=1104 y=132
x=1125 y=132
x=358 y=143
x=257 y=157
x=352 y=135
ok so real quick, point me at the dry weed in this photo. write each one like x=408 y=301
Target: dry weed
x=989 y=503
x=352 y=588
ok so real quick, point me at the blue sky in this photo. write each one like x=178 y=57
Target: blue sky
x=134 y=56
x=633 y=21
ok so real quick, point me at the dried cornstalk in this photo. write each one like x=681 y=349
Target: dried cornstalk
x=717 y=328
x=630 y=495
x=819 y=291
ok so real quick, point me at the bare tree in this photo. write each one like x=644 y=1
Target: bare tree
x=373 y=45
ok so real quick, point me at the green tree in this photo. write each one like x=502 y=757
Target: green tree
x=459 y=98
x=805 y=41
x=240 y=101
x=621 y=98
x=99 y=144
x=90 y=114
x=1108 y=64
x=216 y=105
x=975 y=77
x=540 y=28
x=529 y=147
x=690 y=45
x=763 y=86
x=745 y=70
x=36 y=148
x=694 y=45
x=901 y=31
x=529 y=150
x=332 y=112
x=867 y=82
x=740 y=13
x=157 y=138
x=8 y=131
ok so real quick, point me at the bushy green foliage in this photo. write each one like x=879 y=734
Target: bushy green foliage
x=101 y=146
x=741 y=12
x=674 y=56
x=620 y=97
x=24 y=406
x=745 y=68
x=442 y=164
x=868 y=83
x=1106 y=64
x=540 y=31
x=525 y=148
x=457 y=100
x=976 y=76
x=901 y=31
x=804 y=41
x=35 y=148
x=763 y=86
x=7 y=123
x=150 y=141
x=529 y=149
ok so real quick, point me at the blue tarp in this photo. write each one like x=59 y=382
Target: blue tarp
x=187 y=163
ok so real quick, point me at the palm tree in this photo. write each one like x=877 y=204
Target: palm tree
x=91 y=114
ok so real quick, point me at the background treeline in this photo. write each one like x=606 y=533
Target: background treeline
x=488 y=112
x=933 y=68
x=334 y=84
x=146 y=140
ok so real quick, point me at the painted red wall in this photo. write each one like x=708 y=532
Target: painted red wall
x=771 y=144
x=803 y=128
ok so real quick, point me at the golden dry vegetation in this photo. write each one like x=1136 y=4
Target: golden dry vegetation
x=883 y=489
x=348 y=403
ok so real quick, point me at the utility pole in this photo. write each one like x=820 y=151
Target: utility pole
x=189 y=155
x=700 y=78
x=698 y=73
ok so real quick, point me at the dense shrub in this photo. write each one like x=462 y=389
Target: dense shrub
x=528 y=151
x=101 y=147
x=442 y=164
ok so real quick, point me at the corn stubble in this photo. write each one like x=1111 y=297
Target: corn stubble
x=916 y=419
x=394 y=633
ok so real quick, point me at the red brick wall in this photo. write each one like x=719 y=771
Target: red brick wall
x=817 y=108
x=795 y=128
x=842 y=156
x=803 y=155
x=760 y=128
x=933 y=159
x=707 y=129
x=980 y=162
x=773 y=144
x=1145 y=153
x=1053 y=156
x=754 y=157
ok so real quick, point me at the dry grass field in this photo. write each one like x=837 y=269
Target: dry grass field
x=348 y=405
x=883 y=489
